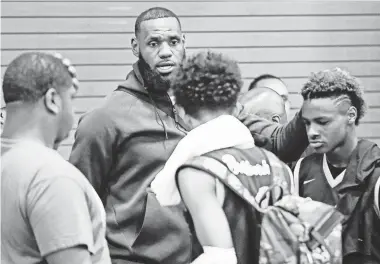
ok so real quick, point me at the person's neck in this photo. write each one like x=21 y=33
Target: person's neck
x=22 y=125
x=208 y=116
x=340 y=156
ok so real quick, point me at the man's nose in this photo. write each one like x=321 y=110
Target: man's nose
x=312 y=132
x=165 y=50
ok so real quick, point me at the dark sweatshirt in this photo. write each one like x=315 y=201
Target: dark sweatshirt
x=123 y=144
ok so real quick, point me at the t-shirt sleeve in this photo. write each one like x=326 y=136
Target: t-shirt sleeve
x=59 y=215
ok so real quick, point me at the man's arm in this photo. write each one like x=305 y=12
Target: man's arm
x=92 y=151
x=288 y=141
x=59 y=216
x=197 y=189
x=70 y=255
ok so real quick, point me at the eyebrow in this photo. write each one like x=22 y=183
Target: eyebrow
x=159 y=37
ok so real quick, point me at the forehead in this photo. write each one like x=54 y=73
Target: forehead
x=159 y=26
x=274 y=84
x=321 y=107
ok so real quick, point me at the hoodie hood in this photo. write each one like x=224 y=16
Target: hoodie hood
x=134 y=81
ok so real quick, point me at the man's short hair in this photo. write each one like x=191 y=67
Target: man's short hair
x=30 y=75
x=207 y=80
x=259 y=78
x=153 y=13
x=333 y=84
x=264 y=102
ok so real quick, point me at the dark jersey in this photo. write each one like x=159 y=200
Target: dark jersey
x=355 y=193
x=255 y=168
x=319 y=183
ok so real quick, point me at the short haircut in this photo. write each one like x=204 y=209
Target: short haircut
x=207 y=80
x=333 y=84
x=153 y=13
x=30 y=75
x=264 y=102
x=259 y=78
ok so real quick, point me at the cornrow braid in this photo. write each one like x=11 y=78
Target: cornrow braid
x=70 y=68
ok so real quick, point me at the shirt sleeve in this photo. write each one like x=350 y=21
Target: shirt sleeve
x=92 y=151
x=288 y=141
x=59 y=215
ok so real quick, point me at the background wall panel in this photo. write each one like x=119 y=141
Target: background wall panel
x=288 y=38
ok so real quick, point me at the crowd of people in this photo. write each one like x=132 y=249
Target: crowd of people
x=139 y=186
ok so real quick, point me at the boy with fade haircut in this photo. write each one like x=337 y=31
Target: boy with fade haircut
x=50 y=213
x=206 y=89
x=344 y=170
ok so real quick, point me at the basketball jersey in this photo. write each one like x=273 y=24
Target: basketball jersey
x=255 y=168
x=361 y=228
x=318 y=183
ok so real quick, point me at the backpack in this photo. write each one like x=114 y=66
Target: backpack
x=294 y=230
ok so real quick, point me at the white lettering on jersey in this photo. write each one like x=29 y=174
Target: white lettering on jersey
x=244 y=167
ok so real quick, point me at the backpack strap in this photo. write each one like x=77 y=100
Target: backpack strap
x=376 y=196
x=220 y=171
x=296 y=175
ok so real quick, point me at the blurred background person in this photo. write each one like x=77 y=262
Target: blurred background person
x=276 y=84
x=265 y=103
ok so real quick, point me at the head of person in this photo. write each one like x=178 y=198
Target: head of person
x=266 y=103
x=276 y=84
x=333 y=105
x=160 y=46
x=40 y=87
x=206 y=86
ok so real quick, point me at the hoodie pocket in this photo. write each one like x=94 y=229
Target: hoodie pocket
x=164 y=236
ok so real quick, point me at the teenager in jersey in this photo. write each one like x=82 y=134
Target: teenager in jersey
x=206 y=90
x=344 y=169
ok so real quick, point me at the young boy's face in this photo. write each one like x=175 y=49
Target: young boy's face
x=326 y=122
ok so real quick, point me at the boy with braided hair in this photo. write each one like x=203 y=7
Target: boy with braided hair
x=49 y=211
x=344 y=170
x=206 y=88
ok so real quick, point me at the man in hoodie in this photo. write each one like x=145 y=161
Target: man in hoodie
x=122 y=145
x=344 y=170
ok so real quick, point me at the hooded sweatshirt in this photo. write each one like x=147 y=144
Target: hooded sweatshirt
x=121 y=146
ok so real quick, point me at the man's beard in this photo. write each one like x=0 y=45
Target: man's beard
x=153 y=80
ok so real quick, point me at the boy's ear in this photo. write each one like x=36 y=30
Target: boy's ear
x=352 y=114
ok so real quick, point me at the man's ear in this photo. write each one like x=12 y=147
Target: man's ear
x=184 y=40
x=276 y=119
x=352 y=114
x=52 y=101
x=135 y=46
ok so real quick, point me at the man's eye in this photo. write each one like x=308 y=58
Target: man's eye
x=174 y=42
x=323 y=122
x=153 y=44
